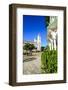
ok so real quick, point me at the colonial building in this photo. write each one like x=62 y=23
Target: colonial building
x=52 y=33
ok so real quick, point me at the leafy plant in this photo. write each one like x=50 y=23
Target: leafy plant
x=49 y=61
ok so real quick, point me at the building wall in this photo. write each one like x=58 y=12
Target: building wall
x=52 y=33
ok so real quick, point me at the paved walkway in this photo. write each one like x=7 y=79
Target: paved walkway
x=32 y=64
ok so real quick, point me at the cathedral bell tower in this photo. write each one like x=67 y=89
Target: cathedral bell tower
x=38 y=42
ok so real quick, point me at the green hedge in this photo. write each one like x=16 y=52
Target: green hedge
x=49 y=61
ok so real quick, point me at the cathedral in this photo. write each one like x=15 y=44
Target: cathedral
x=37 y=42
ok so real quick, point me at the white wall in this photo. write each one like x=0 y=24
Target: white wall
x=4 y=47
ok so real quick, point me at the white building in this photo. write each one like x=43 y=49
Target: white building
x=38 y=42
x=52 y=33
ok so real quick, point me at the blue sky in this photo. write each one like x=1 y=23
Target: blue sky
x=34 y=25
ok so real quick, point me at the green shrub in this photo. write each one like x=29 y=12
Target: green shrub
x=49 y=61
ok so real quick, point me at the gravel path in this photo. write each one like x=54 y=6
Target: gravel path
x=32 y=65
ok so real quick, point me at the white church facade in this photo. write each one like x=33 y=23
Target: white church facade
x=37 y=42
x=52 y=33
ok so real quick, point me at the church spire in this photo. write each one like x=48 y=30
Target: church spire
x=38 y=38
x=39 y=42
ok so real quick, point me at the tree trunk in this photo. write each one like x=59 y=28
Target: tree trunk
x=30 y=52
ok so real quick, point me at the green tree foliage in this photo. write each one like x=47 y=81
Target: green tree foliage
x=49 y=61
x=47 y=20
x=29 y=47
x=42 y=48
x=26 y=46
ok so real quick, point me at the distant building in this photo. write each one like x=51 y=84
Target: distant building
x=31 y=42
x=36 y=42
x=52 y=33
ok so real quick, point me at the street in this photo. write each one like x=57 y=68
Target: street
x=32 y=64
